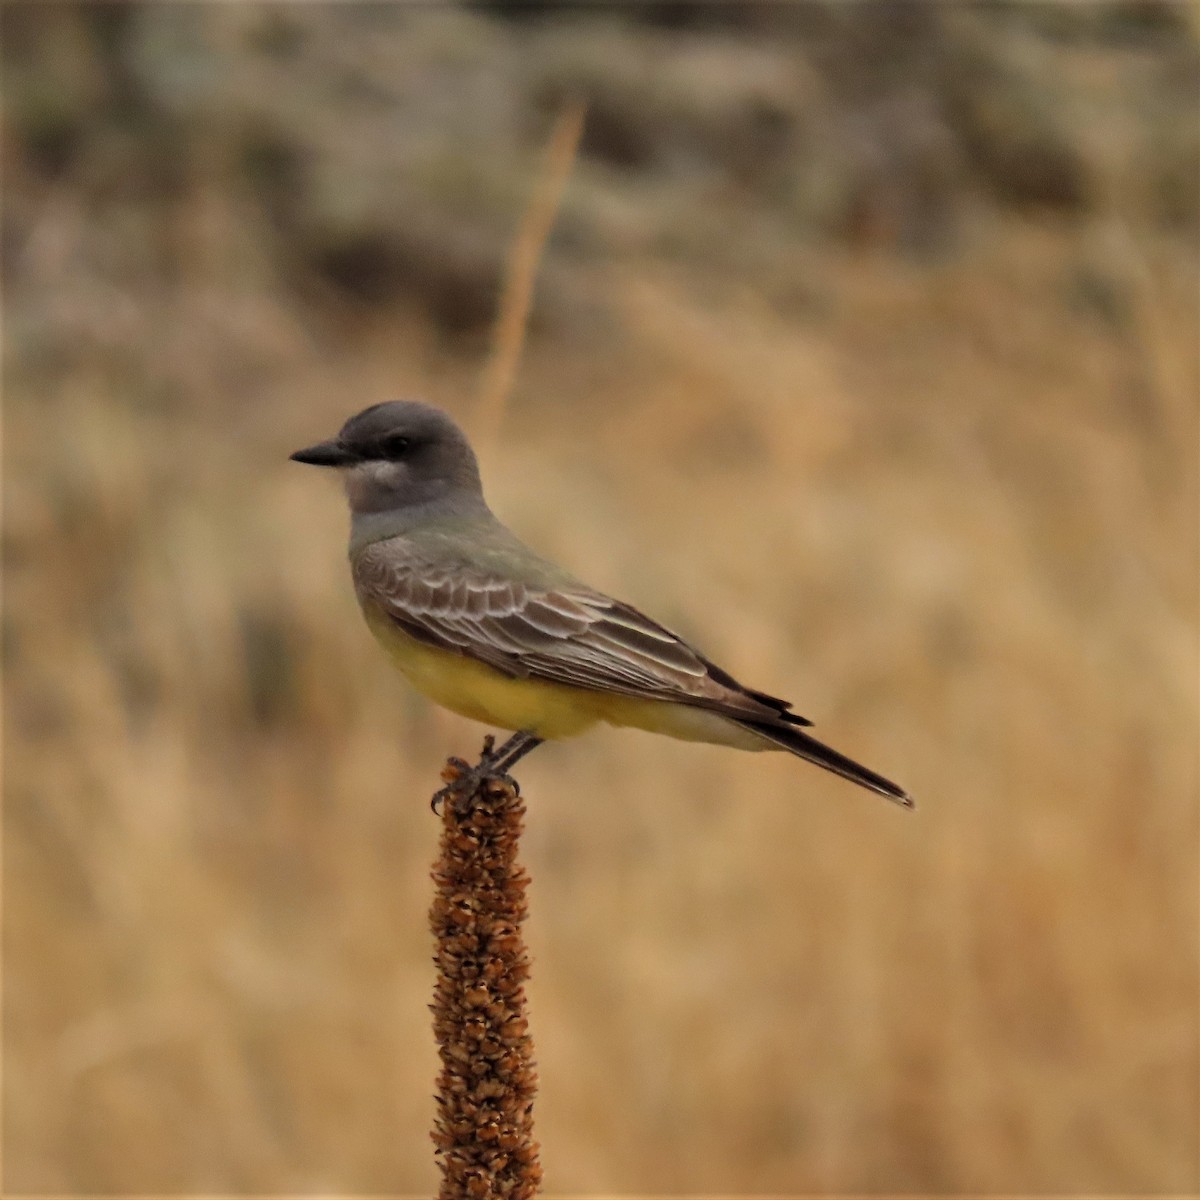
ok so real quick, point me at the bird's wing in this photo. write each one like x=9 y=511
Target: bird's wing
x=566 y=634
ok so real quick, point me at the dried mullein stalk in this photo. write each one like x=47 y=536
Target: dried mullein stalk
x=484 y=1124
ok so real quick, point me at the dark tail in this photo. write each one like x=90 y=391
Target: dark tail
x=788 y=737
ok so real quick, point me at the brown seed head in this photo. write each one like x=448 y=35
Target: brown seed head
x=483 y=1130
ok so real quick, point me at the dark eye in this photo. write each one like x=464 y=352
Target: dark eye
x=396 y=445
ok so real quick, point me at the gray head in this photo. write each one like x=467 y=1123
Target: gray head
x=399 y=455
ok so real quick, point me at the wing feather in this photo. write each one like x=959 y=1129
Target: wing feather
x=566 y=634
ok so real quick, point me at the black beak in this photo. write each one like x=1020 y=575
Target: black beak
x=326 y=454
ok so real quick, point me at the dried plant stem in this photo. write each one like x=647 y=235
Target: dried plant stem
x=484 y=1125
x=508 y=336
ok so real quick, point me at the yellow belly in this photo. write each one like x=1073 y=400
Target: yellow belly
x=549 y=710
x=477 y=691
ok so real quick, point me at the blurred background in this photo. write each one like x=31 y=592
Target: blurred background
x=864 y=353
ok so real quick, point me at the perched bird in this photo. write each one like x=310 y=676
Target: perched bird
x=489 y=629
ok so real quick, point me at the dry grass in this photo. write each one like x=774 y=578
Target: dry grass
x=516 y=301
x=950 y=510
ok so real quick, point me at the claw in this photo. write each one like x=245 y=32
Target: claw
x=462 y=779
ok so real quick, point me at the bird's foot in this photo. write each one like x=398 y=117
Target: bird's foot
x=458 y=774
x=462 y=779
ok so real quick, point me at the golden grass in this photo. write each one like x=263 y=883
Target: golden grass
x=516 y=301
x=951 y=515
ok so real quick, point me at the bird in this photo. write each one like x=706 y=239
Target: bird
x=488 y=628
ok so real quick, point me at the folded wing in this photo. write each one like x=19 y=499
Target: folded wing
x=567 y=634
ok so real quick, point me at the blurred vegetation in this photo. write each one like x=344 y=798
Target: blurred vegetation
x=864 y=352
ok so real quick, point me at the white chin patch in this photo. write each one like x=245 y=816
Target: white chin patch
x=367 y=482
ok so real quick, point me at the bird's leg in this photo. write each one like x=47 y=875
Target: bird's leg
x=491 y=762
x=514 y=750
